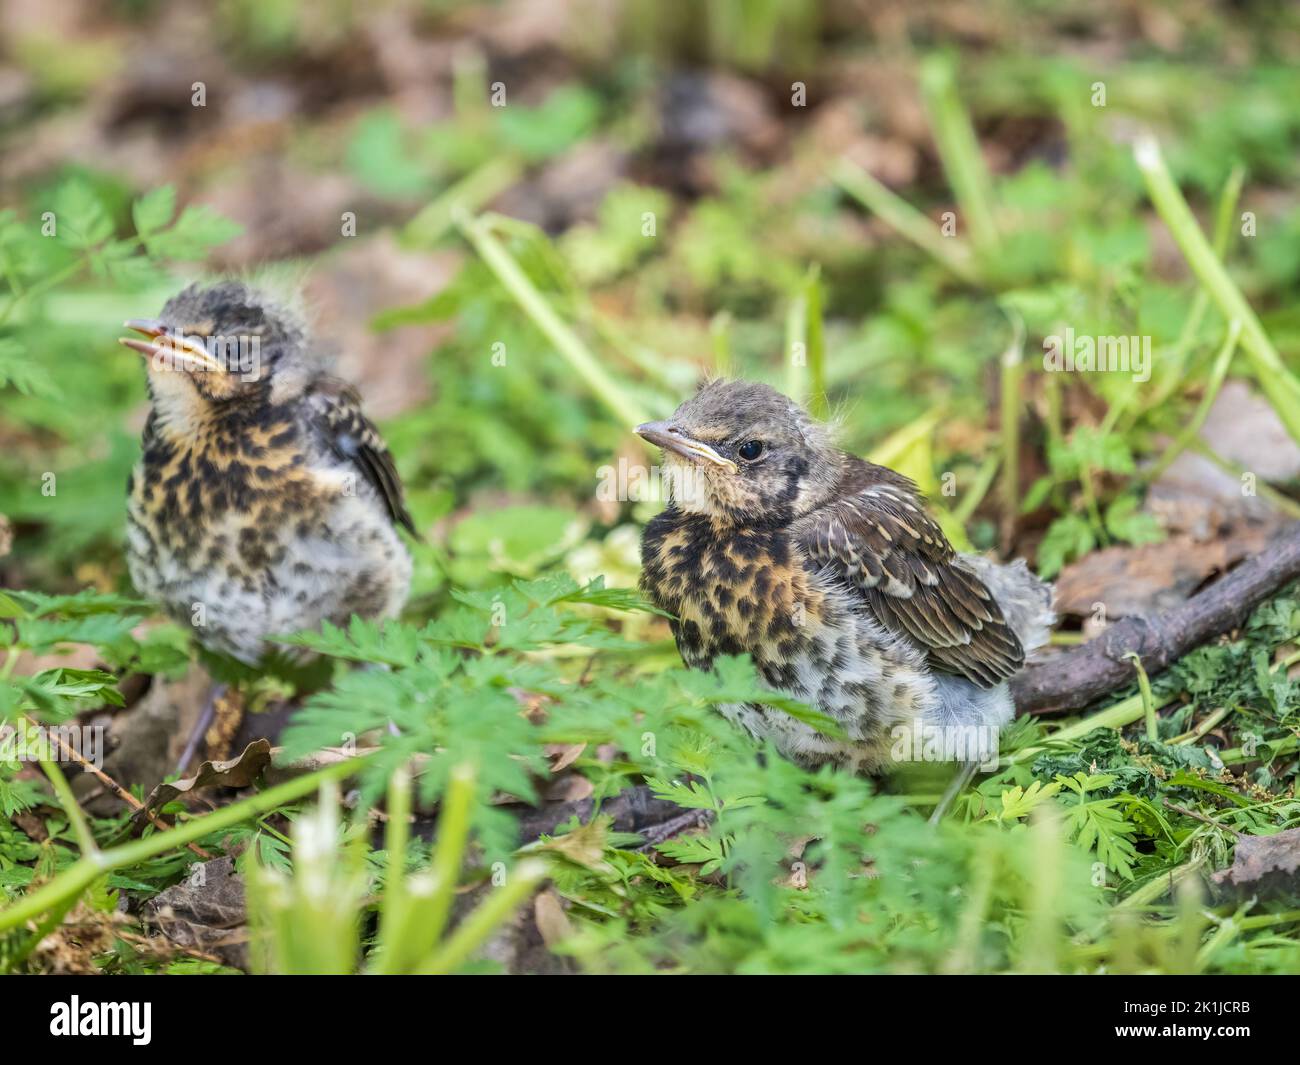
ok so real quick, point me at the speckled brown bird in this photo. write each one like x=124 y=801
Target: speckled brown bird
x=828 y=571
x=264 y=501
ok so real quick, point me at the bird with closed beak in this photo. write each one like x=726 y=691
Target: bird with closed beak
x=827 y=571
x=264 y=501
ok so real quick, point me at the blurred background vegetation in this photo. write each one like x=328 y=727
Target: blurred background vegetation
x=522 y=227
x=685 y=187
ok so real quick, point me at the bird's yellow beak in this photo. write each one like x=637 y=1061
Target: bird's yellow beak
x=171 y=351
x=670 y=438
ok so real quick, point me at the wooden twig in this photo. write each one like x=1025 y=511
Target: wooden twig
x=1078 y=677
x=117 y=788
x=1201 y=817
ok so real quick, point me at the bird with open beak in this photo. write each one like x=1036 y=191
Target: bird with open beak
x=264 y=501
x=828 y=572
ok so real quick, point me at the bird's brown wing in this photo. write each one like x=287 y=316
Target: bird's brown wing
x=349 y=434
x=876 y=536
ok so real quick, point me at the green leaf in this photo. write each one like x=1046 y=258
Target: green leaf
x=1068 y=537
x=42 y=634
x=389 y=642
x=1017 y=802
x=68 y=683
x=1100 y=824
x=198 y=230
x=154 y=210
x=80 y=218
x=1280 y=692
x=19 y=370
x=561 y=588
x=381 y=159
x=1125 y=522
x=564 y=118
x=78 y=605
x=1089 y=447
x=691 y=795
x=706 y=851
x=1037 y=494
x=120 y=261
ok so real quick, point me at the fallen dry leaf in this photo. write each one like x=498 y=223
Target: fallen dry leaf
x=205 y=912
x=1133 y=581
x=552 y=922
x=84 y=935
x=236 y=773
x=569 y=788
x=326 y=756
x=585 y=845
x=1243 y=426
x=1196 y=496
x=565 y=754
x=1265 y=864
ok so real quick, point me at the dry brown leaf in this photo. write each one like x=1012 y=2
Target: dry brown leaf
x=552 y=922
x=205 y=912
x=585 y=845
x=569 y=788
x=236 y=773
x=1196 y=496
x=32 y=825
x=564 y=754
x=283 y=768
x=1265 y=864
x=1132 y=581
x=84 y=935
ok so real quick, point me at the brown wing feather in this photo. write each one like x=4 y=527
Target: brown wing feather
x=353 y=437
x=877 y=536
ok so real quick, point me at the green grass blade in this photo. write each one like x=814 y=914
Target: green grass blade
x=909 y=223
x=570 y=346
x=1279 y=384
x=960 y=151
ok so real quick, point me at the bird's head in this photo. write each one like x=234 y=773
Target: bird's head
x=743 y=453
x=221 y=342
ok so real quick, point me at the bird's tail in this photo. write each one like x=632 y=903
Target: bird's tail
x=1026 y=603
x=1025 y=600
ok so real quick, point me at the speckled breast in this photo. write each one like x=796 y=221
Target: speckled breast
x=241 y=540
x=749 y=592
x=734 y=591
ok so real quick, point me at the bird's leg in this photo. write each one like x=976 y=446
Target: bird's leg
x=206 y=716
x=963 y=777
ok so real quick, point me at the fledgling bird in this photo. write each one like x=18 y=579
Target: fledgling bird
x=264 y=501
x=828 y=572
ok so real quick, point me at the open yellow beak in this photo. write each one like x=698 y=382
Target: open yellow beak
x=670 y=438
x=168 y=350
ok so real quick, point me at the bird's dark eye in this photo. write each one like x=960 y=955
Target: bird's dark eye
x=750 y=450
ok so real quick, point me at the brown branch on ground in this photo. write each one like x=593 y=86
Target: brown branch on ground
x=1076 y=678
x=117 y=789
